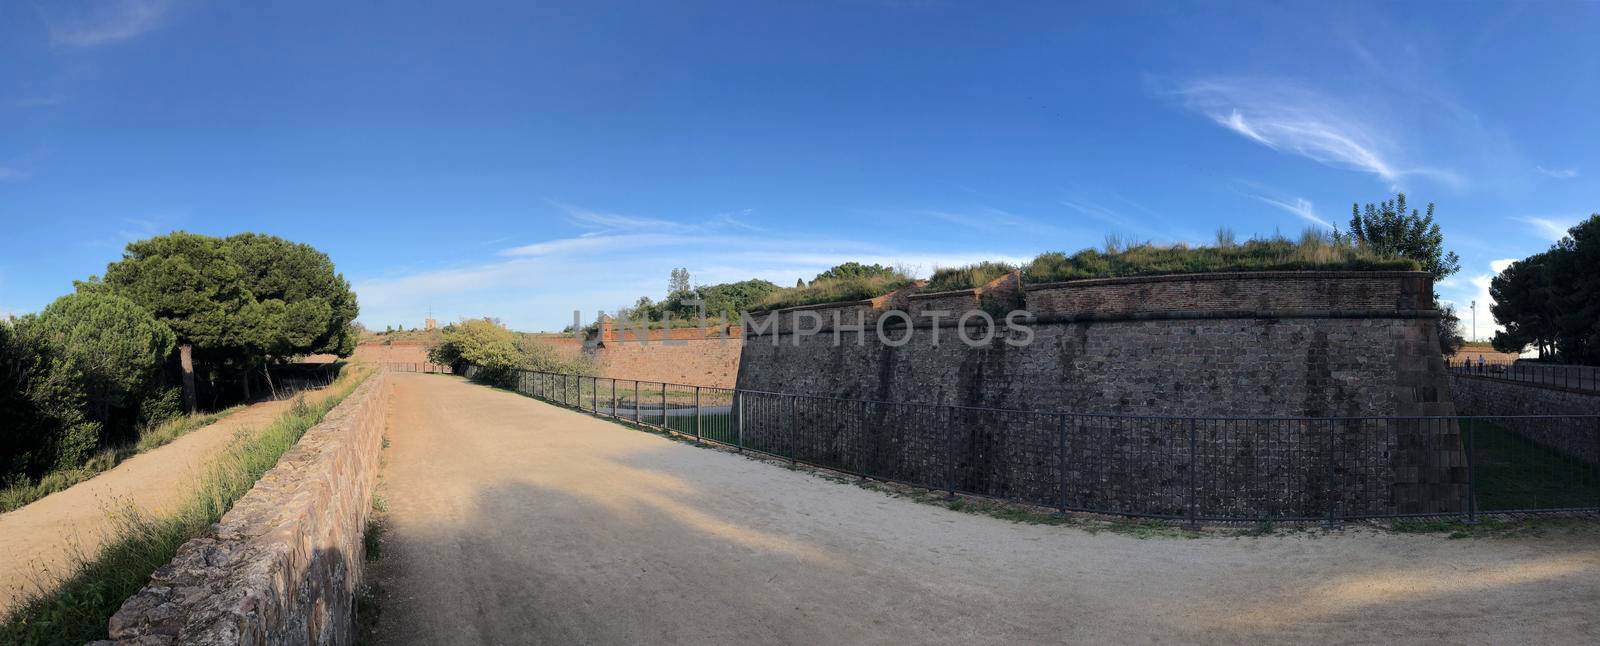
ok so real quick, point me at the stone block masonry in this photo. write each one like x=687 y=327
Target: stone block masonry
x=1311 y=344
x=1575 y=437
x=283 y=566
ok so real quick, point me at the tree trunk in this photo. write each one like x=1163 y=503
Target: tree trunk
x=266 y=371
x=244 y=378
x=186 y=364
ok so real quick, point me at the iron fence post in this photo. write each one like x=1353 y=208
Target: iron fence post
x=1328 y=486
x=738 y=419
x=1472 y=490
x=1061 y=461
x=664 y=425
x=794 y=429
x=949 y=451
x=636 y=401
x=696 y=414
x=614 y=398
x=1189 y=513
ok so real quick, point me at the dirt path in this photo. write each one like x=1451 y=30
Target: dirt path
x=513 y=521
x=40 y=540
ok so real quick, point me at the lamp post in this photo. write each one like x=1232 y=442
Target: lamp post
x=1474 y=319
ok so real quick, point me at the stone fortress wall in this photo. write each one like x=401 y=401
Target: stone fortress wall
x=1310 y=344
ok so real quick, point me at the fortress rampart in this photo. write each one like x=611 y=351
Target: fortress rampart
x=1301 y=344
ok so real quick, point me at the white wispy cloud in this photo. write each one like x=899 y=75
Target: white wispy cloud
x=1558 y=173
x=988 y=218
x=39 y=101
x=1301 y=207
x=1152 y=226
x=11 y=174
x=601 y=221
x=1289 y=118
x=622 y=257
x=1552 y=228
x=102 y=22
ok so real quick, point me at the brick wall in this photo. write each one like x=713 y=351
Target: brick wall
x=284 y=564
x=703 y=362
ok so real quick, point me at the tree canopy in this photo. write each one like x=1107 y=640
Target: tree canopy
x=853 y=270
x=1550 y=301
x=248 y=297
x=188 y=281
x=1387 y=229
x=110 y=346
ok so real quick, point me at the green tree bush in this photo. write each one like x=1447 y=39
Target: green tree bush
x=1550 y=301
x=497 y=351
x=112 y=348
x=1388 y=229
x=236 y=303
x=855 y=270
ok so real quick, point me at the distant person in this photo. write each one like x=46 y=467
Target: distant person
x=1481 y=367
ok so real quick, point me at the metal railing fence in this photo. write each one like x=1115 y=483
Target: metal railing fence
x=399 y=366
x=1189 y=468
x=1543 y=374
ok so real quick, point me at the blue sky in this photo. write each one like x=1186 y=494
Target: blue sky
x=523 y=160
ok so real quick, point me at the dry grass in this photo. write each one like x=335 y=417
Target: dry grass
x=77 y=610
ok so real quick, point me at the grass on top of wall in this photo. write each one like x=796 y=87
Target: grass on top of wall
x=1314 y=250
x=968 y=277
x=835 y=290
x=151 y=437
x=76 y=610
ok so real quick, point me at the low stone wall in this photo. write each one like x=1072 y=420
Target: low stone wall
x=283 y=565
x=1576 y=437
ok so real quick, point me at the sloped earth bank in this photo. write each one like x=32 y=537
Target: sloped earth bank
x=514 y=521
x=39 y=541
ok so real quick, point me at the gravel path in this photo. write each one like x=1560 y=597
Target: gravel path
x=513 y=521
x=41 y=540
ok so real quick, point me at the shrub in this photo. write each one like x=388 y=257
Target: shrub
x=498 y=351
x=112 y=348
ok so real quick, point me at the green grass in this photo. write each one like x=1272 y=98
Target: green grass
x=76 y=611
x=968 y=277
x=152 y=437
x=1313 y=250
x=1510 y=471
x=835 y=290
